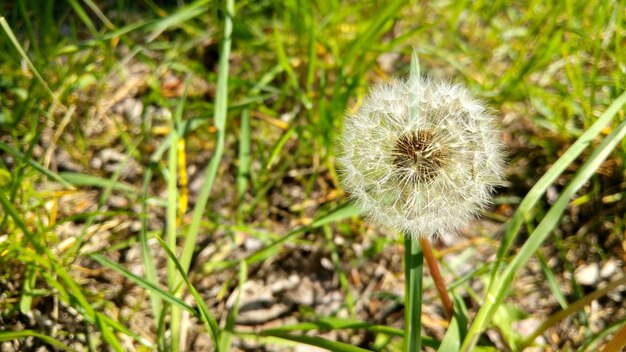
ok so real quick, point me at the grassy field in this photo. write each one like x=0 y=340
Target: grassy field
x=168 y=176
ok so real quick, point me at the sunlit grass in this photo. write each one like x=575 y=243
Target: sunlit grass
x=277 y=79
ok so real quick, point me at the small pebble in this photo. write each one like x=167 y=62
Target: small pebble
x=609 y=268
x=117 y=202
x=252 y=244
x=326 y=263
x=588 y=275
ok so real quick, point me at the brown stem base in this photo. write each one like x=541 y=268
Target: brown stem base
x=435 y=273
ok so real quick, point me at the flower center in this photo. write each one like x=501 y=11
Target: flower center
x=419 y=156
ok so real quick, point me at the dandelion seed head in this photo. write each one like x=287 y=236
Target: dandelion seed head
x=427 y=173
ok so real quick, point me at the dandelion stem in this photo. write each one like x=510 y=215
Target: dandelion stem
x=413 y=271
x=435 y=273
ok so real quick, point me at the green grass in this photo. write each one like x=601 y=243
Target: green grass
x=260 y=91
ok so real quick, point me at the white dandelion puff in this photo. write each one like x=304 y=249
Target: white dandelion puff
x=425 y=174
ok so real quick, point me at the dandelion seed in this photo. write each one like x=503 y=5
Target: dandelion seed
x=421 y=156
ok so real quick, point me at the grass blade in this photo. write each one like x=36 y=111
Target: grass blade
x=551 y=280
x=172 y=216
x=7 y=29
x=452 y=340
x=618 y=341
x=279 y=147
x=10 y=210
x=167 y=296
x=549 y=177
x=226 y=335
x=85 y=180
x=317 y=342
x=497 y=290
x=343 y=278
x=146 y=253
x=592 y=344
x=413 y=286
x=82 y=14
x=331 y=323
x=341 y=212
x=373 y=32
x=221 y=106
x=205 y=314
x=67 y=284
x=172 y=187
x=114 y=324
x=243 y=172
x=14 y=335
x=184 y=14
x=77 y=297
x=96 y=10
x=457 y=329
x=571 y=309
x=30 y=280
x=35 y=165
x=104 y=196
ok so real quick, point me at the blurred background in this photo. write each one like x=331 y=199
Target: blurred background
x=127 y=127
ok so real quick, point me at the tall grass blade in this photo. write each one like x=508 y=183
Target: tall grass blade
x=221 y=107
x=205 y=314
x=7 y=29
x=539 y=189
x=243 y=172
x=414 y=75
x=146 y=253
x=172 y=215
x=226 y=334
x=497 y=289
